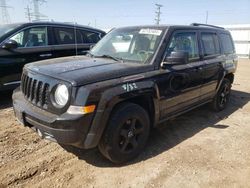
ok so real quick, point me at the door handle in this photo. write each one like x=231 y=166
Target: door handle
x=45 y=55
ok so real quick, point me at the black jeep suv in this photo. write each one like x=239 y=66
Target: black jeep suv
x=132 y=80
x=29 y=42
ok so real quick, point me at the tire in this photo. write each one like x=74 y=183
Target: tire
x=126 y=133
x=221 y=99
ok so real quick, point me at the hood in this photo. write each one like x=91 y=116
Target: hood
x=82 y=70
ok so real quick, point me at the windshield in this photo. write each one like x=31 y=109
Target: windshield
x=5 y=28
x=129 y=44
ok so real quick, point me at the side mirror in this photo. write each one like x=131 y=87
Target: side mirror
x=10 y=44
x=176 y=58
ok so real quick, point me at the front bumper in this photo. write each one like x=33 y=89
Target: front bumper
x=8 y=87
x=65 y=129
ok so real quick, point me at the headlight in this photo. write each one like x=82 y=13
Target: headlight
x=61 y=95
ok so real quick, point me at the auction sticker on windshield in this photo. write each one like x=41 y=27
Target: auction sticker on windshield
x=150 y=31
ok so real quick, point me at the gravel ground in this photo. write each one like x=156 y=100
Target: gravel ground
x=199 y=149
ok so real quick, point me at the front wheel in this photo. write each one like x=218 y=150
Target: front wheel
x=221 y=99
x=126 y=133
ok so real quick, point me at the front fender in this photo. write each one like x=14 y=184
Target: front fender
x=110 y=98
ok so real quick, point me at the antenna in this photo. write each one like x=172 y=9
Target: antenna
x=158 y=13
x=75 y=38
x=37 y=14
x=206 y=16
x=5 y=15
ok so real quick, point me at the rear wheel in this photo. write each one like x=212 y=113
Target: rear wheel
x=126 y=134
x=221 y=99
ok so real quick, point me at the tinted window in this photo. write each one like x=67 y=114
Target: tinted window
x=227 y=43
x=150 y=41
x=137 y=45
x=210 y=44
x=87 y=37
x=184 y=41
x=121 y=43
x=64 y=35
x=36 y=36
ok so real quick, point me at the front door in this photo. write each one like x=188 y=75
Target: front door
x=32 y=46
x=180 y=85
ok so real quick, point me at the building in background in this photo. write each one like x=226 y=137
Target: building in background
x=241 y=37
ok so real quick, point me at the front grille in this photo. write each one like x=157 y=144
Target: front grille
x=36 y=91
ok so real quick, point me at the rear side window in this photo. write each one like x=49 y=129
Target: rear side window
x=87 y=37
x=64 y=35
x=227 y=43
x=210 y=44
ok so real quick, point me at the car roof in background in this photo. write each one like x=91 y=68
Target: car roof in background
x=188 y=27
x=162 y=27
x=56 y=23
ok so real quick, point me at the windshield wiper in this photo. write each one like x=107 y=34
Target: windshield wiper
x=90 y=54
x=105 y=56
x=111 y=57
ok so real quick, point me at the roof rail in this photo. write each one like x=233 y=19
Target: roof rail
x=206 y=25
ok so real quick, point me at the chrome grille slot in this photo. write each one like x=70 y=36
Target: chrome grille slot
x=46 y=97
x=35 y=91
x=28 y=87
x=33 y=85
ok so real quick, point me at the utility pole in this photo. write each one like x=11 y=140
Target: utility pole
x=5 y=15
x=28 y=13
x=158 y=13
x=206 y=16
x=36 y=12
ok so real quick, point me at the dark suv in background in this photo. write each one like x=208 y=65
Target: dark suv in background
x=28 y=42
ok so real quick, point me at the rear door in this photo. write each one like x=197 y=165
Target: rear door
x=69 y=41
x=32 y=46
x=64 y=43
x=180 y=85
x=85 y=39
x=212 y=69
x=228 y=50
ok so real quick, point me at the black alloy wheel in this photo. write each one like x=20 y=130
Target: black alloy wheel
x=126 y=133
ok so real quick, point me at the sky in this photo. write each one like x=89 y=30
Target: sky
x=115 y=13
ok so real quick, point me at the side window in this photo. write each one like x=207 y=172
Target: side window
x=210 y=44
x=227 y=43
x=19 y=38
x=35 y=36
x=81 y=39
x=184 y=41
x=64 y=35
x=87 y=37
